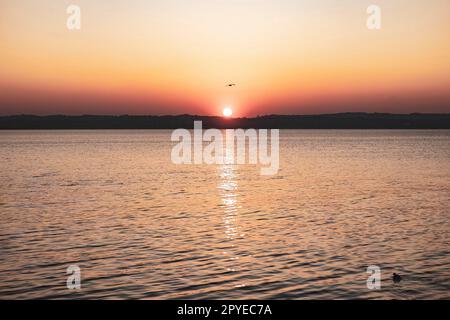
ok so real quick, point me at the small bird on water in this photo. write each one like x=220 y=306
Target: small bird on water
x=396 y=278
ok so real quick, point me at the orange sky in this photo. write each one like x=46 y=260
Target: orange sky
x=173 y=57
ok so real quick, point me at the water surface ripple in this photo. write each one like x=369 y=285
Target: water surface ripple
x=141 y=227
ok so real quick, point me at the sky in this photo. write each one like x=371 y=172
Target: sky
x=176 y=57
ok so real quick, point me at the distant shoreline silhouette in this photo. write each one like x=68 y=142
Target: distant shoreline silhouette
x=324 y=121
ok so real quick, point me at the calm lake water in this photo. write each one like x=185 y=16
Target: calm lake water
x=141 y=227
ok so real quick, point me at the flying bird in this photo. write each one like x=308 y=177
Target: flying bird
x=231 y=85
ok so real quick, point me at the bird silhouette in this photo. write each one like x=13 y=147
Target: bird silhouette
x=396 y=278
x=231 y=85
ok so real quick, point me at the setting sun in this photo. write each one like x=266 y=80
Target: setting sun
x=227 y=112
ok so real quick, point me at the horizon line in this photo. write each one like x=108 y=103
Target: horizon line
x=229 y=118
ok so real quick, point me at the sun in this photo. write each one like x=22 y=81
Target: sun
x=227 y=112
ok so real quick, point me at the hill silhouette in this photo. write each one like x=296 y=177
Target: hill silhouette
x=325 y=121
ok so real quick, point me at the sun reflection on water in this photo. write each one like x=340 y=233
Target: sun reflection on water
x=228 y=188
x=229 y=196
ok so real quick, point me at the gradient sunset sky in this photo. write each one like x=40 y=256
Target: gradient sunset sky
x=176 y=57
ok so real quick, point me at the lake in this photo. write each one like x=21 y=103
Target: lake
x=141 y=227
